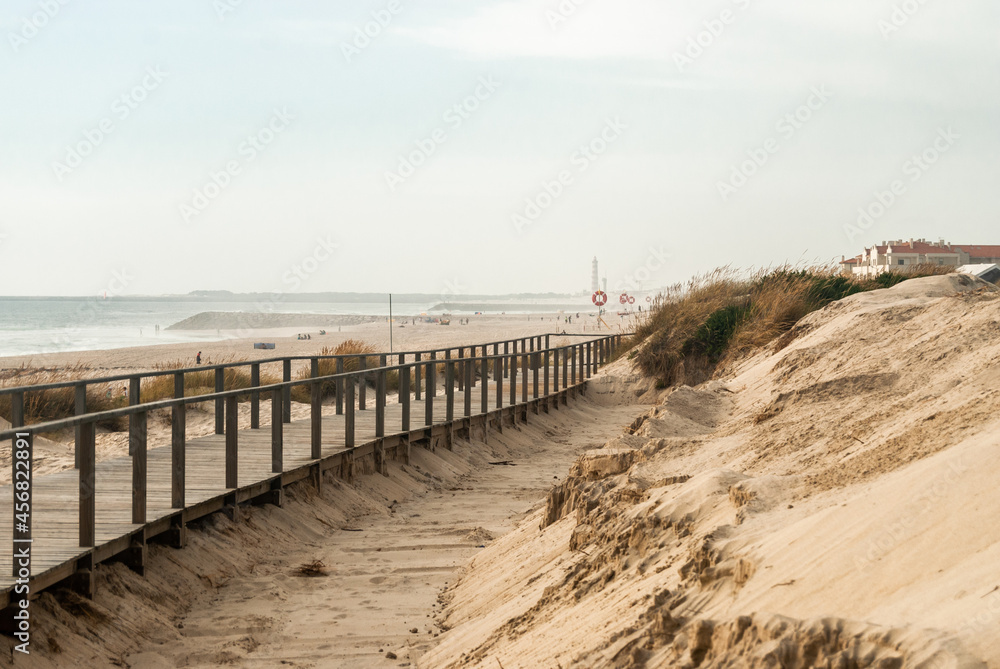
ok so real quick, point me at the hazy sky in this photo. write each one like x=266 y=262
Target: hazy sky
x=163 y=147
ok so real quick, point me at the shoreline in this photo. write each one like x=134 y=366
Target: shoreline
x=237 y=345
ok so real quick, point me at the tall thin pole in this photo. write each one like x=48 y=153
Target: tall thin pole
x=390 y=322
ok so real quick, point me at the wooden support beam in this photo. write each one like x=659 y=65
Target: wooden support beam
x=469 y=376
x=555 y=372
x=506 y=359
x=404 y=398
x=220 y=404
x=315 y=412
x=363 y=384
x=349 y=414
x=178 y=438
x=277 y=433
x=137 y=444
x=79 y=408
x=417 y=371
x=286 y=392
x=85 y=447
x=339 y=387
x=534 y=378
x=255 y=396
x=431 y=391
x=513 y=379
x=498 y=367
x=524 y=378
x=380 y=391
x=449 y=389
x=232 y=443
x=461 y=366
x=484 y=395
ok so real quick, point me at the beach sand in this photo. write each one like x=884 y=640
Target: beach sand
x=830 y=501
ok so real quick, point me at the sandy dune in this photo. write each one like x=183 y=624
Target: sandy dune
x=831 y=503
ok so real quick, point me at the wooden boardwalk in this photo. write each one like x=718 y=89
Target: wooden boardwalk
x=57 y=556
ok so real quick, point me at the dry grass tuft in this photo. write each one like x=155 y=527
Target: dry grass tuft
x=719 y=317
x=312 y=569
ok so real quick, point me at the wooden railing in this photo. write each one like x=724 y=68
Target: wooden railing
x=549 y=371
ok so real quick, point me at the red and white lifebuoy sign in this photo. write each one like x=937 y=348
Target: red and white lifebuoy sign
x=600 y=298
x=631 y=300
x=623 y=298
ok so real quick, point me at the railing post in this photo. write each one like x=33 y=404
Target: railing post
x=232 y=447
x=590 y=368
x=380 y=387
x=133 y=400
x=506 y=360
x=339 y=387
x=470 y=374
x=79 y=408
x=22 y=465
x=417 y=369
x=461 y=366
x=547 y=344
x=431 y=390
x=85 y=448
x=498 y=365
x=535 y=360
x=315 y=412
x=220 y=404
x=277 y=432
x=572 y=366
x=524 y=378
x=178 y=437
x=404 y=397
x=362 y=384
x=449 y=389
x=137 y=444
x=580 y=357
x=513 y=381
x=255 y=396
x=565 y=374
x=349 y=414
x=286 y=391
x=555 y=372
x=546 y=372
x=485 y=390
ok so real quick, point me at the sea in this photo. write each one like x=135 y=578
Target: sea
x=35 y=326
x=50 y=325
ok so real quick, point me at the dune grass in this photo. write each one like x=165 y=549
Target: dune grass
x=694 y=329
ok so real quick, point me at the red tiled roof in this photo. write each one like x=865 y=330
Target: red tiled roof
x=919 y=247
x=978 y=251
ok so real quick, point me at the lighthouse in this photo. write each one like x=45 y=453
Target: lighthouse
x=594 y=281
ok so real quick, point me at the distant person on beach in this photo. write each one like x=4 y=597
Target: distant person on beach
x=197 y=358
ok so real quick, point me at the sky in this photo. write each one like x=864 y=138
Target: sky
x=482 y=146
